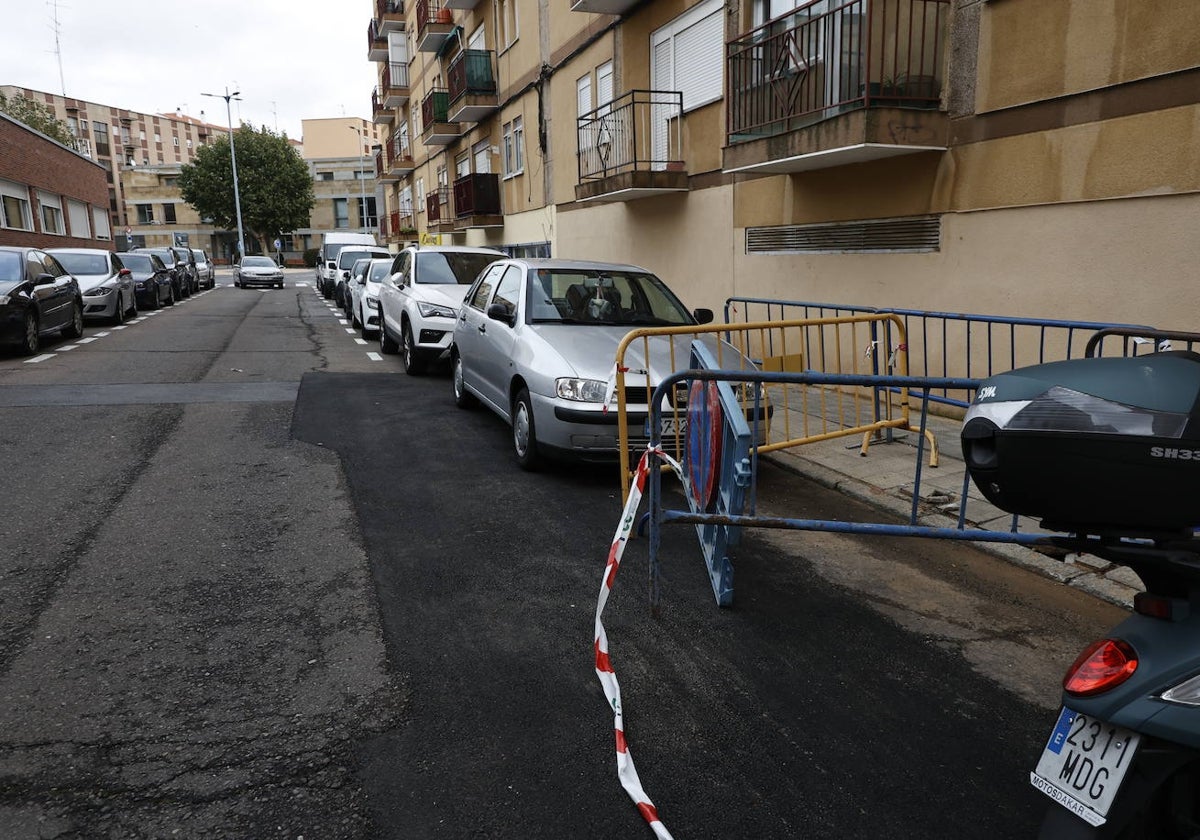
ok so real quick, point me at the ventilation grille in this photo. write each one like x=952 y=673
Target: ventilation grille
x=910 y=235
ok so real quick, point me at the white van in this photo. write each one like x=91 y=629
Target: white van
x=331 y=243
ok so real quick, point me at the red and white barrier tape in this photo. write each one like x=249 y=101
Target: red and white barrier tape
x=604 y=668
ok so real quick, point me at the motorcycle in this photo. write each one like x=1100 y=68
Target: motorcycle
x=1106 y=453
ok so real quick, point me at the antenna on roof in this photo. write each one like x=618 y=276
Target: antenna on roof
x=56 y=27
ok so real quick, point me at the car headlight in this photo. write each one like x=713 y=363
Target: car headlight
x=5 y=300
x=99 y=291
x=432 y=310
x=581 y=390
x=372 y=303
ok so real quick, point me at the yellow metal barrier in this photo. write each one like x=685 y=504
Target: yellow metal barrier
x=797 y=414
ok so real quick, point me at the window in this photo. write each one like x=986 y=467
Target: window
x=100 y=223
x=509 y=289
x=17 y=213
x=84 y=147
x=341 y=213
x=462 y=165
x=478 y=300
x=506 y=23
x=481 y=153
x=583 y=94
x=145 y=214
x=175 y=142
x=604 y=83
x=514 y=145
x=157 y=137
x=50 y=206
x=100 y=133
x=420 y=195
x=687 y=55
x=78 y=219
x=366 y=211
x=169 y=213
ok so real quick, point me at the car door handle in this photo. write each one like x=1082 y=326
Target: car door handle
x=482 y=328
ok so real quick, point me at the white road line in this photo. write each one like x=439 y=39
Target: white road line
x=350 y=331
x=343 y=322
x=120 y=327
x=375 y=357
x=88 y=340
x=41 y=358
x=99 y=335
x=360 y=341
x=67 y=347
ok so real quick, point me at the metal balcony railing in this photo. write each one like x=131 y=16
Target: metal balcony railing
x=430 y=11
x=381 y=163
x=434 y=204
x=388 y=7
x=435 y=107
x=477 y=194
x=395 y=75
x=401 y=148
x=638 y=131
x=815 y=62
x=470 y=73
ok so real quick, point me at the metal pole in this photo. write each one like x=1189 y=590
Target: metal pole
x=237 y=199
x=362 y=181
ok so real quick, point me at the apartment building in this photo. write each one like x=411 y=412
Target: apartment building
x=340 y=153
x=1012 y=157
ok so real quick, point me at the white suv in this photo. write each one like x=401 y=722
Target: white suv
x=419 y=301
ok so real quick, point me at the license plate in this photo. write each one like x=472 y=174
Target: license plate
x=1083 y=764
x=671 y=426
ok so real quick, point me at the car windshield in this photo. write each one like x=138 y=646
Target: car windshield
x=164 y=254
x=450 y=267
x=379 y=270
x=10 y=266
x=347 y=258
x=199 y=255
x=258 y=262
x=573 y=296
x=137 y=262
x=83 y=263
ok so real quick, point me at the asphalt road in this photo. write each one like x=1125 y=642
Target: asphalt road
x=256 y=582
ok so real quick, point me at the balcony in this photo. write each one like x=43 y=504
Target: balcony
x=472 y=86
x=464 y=5
x=434 y=25
x=603 y=7
x=377 y=42
x=439 y=218
x=477 y=201
x=383 y=172
x=632 y=148
x=379 y=114
x=438 y=131
x=390 y=15
x=400 y=159
x=812 y=91
x=395 y=85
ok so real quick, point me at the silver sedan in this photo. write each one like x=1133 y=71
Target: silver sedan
x=536 y=341
x=106 y=284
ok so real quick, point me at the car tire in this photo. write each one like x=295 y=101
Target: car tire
x=30 y=339
x=355 y=322
x=325 y=292
x=133 y=307
x=75 y=328
x=387 y=344
x=524 y=436
x=118 y=317
x=414 y=364
x=462 y=397
x=155 y=303
x=170 y=296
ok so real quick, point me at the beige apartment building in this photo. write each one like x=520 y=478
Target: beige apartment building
x=1009 y=157
x=340 y=153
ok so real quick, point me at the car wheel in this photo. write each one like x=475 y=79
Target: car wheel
x=354 y=322
x=462 y=397
x=118 y=317
x=524 y=435
x=30 y=340
x=387 y=345
x=325 y=291
x=170 y=296
x=133 y=307
x=414 y=365
x=75 y=328
x=155 y=303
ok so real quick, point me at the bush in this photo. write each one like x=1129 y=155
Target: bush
x=310 y=257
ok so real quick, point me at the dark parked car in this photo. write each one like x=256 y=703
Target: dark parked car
x=151 y=280
x=188 y=260
x=37 y=296
x=179 y=279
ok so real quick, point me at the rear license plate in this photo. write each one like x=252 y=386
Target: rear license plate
x=671 y=426
x=1083 y=764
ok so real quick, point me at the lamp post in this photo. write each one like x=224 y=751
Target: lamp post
x=362 y=181
x=237 y=199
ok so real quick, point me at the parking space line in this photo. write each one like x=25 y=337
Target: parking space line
x=121 y=327
x=40 y=358
x=89 y=339
x=67 y=347
x=350 y=331
x=99 y=335
x=375 y=357
x=360 y=341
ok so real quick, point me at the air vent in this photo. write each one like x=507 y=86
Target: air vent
x=910 y=235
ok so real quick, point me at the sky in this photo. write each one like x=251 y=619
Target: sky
x=290 y=61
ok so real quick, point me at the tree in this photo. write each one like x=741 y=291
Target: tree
x=39 y=117
x=273 y=181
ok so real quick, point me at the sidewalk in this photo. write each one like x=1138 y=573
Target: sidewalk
x=884 y=478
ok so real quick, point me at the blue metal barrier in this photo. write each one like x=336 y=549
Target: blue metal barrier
x=990 y=344
x=719 y=515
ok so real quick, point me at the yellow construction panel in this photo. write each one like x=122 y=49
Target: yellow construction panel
x=791 y=362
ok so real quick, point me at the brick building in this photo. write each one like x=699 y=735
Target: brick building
x=50 y=196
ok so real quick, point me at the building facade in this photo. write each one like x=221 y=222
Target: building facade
x=340 y=153
x=50 y=196
x=1009 y=157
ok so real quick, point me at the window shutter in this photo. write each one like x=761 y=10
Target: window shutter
x=698 y=61
x=604 y=83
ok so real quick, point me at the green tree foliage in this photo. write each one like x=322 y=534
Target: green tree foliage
x=38 y=116
x=273 y=181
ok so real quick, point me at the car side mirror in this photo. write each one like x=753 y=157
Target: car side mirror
x=345 y=275
x=703 y=316
x=43 y=279
x=500 y=312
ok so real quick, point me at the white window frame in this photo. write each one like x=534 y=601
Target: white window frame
x=505 y=12
x=583 y=94
x=667 y=35
x=100 y=223
x=10 y=192
x=79 y=219
x=514 y=153
x=419 y=204
x=481 y=157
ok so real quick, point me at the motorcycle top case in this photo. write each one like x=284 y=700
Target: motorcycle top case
x=1094 y=445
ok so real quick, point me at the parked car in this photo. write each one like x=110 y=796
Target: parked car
x=188 y=260
x=206 y=272
x=346 y=258
x=179 y=279
x=364 y=296
x=106 y=284
x=257 y=271
x=331 y=243
x=343 y=294
x=37 y=296
x=536 y=342
x=420 y=300
x=151 y=279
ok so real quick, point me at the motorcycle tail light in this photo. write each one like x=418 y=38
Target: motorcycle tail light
x=1103 y=666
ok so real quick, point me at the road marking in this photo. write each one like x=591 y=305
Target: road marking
x=350 y=331
x=67 y=347
x=99 y=335
x=88 y=340
x=120 y=327
x=375 y=357
x=41 y=358
x=343 y=322
x=360 y=341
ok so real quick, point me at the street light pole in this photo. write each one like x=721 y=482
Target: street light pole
x=362 y=181
x=237 y=199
